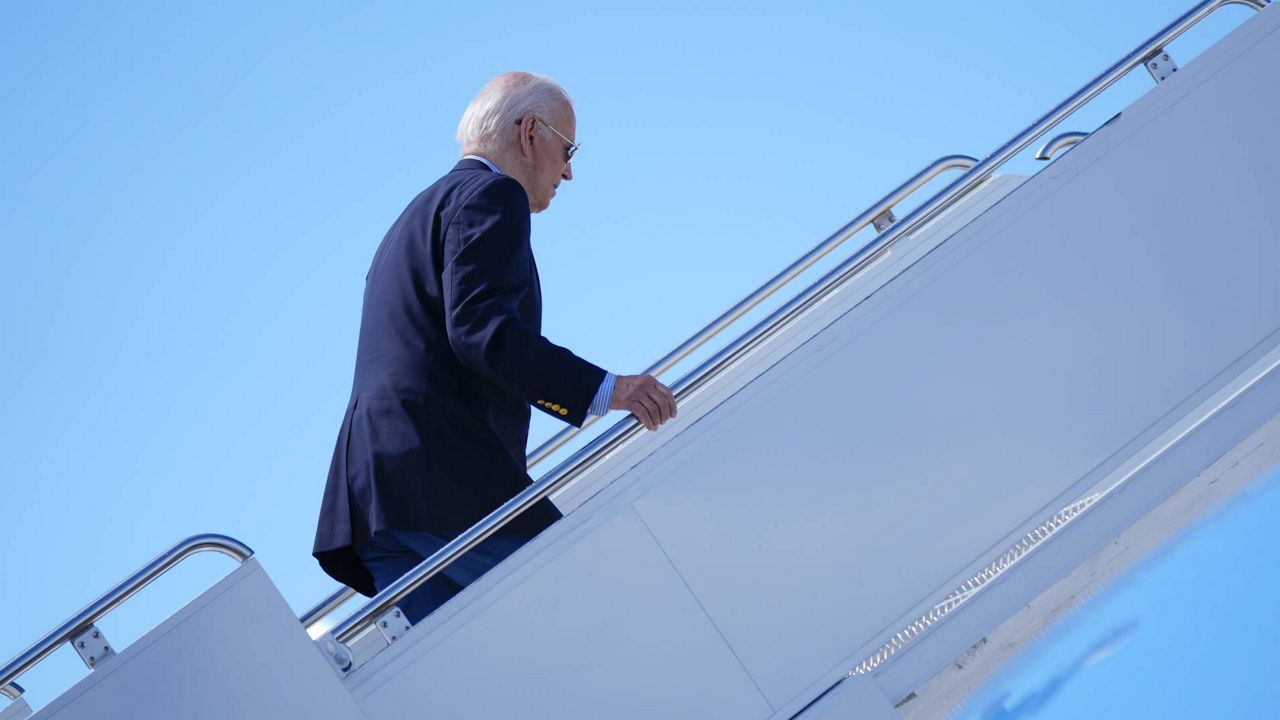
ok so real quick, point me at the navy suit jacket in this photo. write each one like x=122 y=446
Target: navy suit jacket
x=450 y=360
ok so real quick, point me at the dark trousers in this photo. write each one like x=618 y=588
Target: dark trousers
x=392 y=553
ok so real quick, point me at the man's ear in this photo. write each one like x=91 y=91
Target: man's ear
x=528 y=126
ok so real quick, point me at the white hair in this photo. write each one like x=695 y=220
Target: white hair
x=506 y=99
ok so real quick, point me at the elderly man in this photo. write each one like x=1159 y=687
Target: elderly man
x=451 y=358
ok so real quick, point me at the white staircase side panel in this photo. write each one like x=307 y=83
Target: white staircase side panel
x=903 y=255
x=15 y=710
x=855 y=479
x=236 y=651
x=578 y=638
x=856 y=698
x=904 y=447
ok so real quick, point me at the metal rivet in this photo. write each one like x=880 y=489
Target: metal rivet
x=80 y=644
x=1164 y=57
x=96 y=634
x=91 y=659
x=384 y=623
x=397 y=613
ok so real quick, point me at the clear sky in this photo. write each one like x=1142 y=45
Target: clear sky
x=190 y=196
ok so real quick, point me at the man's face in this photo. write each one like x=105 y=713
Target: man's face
x=550 y=166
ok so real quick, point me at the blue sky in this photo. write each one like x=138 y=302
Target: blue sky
x=190 y=197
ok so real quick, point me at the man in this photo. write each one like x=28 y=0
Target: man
x=451 y=359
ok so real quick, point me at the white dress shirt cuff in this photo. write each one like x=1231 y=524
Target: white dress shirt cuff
x=600 y=405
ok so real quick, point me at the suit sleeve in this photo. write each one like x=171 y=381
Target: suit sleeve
x=488 y=268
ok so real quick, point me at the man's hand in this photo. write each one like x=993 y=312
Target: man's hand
x=649 y=400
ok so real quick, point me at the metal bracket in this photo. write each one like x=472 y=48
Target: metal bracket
x=884 y=220
x=92 y=646
x=1161 y=65
x=393 y=625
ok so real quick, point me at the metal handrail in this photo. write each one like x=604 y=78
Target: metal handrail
x=622 y=431
x=698 y=339
x=118 y=594
x=326 y=606
x=602 y=446
x=760 y=294
x=1059 y=142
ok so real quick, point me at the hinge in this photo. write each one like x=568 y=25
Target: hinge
x=339 y=655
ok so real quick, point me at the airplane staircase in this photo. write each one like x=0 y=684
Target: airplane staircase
x=885 y=468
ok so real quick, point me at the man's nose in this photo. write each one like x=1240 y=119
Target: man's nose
x=568 y=171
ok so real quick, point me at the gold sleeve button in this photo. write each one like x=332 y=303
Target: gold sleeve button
x=564 y=411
